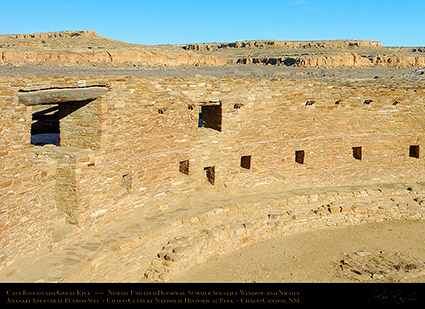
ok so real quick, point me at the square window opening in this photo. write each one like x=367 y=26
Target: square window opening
x=246 y=162
x=299 y=156
x=210 y=116
x=414 y=151
x=210 y=174
x=184 y=167
x=357 y=153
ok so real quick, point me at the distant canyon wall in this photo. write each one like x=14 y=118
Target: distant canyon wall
x=152 y=59
x=348 y=60
x=285 y=44
x=70 y=48
x=142 y=58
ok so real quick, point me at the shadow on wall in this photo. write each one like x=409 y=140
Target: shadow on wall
x=45 y=128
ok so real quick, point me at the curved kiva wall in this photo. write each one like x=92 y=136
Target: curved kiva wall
x=140 y=146
x=180 y=244
x=230 y=228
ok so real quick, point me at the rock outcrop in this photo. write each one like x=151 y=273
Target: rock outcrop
x=348 y=60
x=89 y=48
x=330 y=44
x=68 y=48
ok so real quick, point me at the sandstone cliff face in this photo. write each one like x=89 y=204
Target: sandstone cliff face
x=347 y=60
x=117 y=57
x=314 y=54
x=69 y=48
x=53 y=35
x=332 y=44
x=89 y=48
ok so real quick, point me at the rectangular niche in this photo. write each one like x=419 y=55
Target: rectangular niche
x=246 y=162
x=184 y=167
x=210 y=174
x=126 y=182
x=357 y=153
x=414 y=151
x=210 y=116
x=299 y=156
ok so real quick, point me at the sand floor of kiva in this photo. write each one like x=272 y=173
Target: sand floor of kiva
x=389 y=251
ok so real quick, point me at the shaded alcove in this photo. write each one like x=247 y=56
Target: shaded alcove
x=184 y=167
x=414 y=151
x=64 y=117
x=246 y=162
x=357 y=153
x=210 y=174
x=210 y=115
x=299 y=156
x=45 y=126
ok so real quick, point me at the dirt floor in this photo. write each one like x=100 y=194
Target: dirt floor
x=390 y=251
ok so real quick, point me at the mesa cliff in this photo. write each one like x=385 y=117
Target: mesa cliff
x=89 y=48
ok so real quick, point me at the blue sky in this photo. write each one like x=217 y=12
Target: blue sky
x=393 y=22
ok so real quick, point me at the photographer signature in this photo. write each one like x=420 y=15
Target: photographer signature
x=383 y=296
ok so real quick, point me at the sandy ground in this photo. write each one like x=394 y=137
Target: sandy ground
x=391 y=251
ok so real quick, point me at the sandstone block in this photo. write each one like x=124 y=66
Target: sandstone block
x=322 y=212
x=346 y=209
x=334 y=209
x=359 y=209
x=52 y=96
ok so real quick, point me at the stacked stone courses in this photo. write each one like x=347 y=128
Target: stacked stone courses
x=122 y=153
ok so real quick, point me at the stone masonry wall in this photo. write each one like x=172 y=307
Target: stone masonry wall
x=27 y=179
x=232 y=227
x=178 y=244
x=123 y=150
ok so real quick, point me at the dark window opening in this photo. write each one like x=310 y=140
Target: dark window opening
x=200 y=121
x=246 y=162
x=45 y=127
x=127 y=182
x=184 y=167
x=299 y=156
x=210 y=116
x=414 y=151
x=210 y=173
x=357 y=153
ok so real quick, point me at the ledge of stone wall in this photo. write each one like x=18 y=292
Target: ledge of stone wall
x=230 y=228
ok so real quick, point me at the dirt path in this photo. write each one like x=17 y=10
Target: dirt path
x=391 y=251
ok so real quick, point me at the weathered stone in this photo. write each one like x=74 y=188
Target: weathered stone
x=118 y=158
x=359 y=209
x=61 y=95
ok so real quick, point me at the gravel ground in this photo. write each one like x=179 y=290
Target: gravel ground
x=235 y=70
